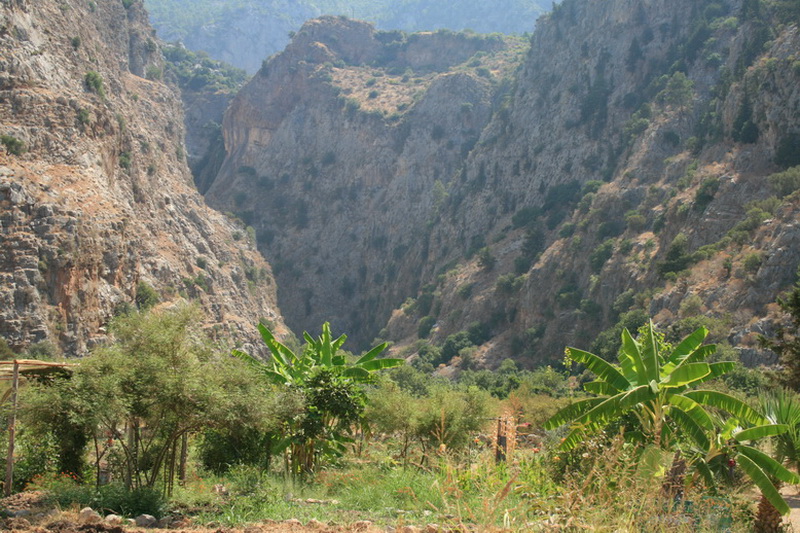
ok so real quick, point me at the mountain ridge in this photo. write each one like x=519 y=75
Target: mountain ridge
x=244 y=33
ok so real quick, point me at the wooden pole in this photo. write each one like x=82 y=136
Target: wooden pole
x=12 y=427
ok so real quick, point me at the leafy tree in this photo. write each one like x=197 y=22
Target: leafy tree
x=330 y=384
x=137 y=399
x=94 y=82
x=450 y=416
x=679 y=91
x=652 y=387
x=12 y=144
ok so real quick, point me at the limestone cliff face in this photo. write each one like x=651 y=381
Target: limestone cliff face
x=100 y=200
x=622 y=167
x=333 y=161
x=647 y=98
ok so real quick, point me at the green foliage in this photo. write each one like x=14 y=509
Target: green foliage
x=607 y=343
x=788 y=151
x=113 y=498
x=677 y=257
x=651 y=390
x=125 y=160
x=532 y=246
x=601 y=254
x=146 y=296
x=705 y=193
x=137 y=398
x=453 y=344
x=330 y=384
x=154 y=72
x=13 y=145
x=752 y=262
x=94 y=83
x=526 y=217
x=744 y=129
x=786 y=182
x=425 y=326
x=196 y=71
x=6 y=353
x=485 y=258
x=678 y=91
x=509 y=284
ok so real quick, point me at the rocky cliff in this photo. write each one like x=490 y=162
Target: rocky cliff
x=98 y=206
x=623 y=170
x=351 y=129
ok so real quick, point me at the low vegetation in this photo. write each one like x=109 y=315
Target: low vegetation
x=151 y=422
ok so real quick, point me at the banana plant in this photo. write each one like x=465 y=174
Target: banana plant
x=733 y=446
x=656 y=386
x=330 y=385
x=288 y=368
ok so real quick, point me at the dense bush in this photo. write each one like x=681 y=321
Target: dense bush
x=94 y=83
x=12 y=144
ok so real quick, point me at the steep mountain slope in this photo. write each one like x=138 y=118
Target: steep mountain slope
x=652 y=98
x=244 y=32
x=98 y=207
x=623 y=172
x=320 y=139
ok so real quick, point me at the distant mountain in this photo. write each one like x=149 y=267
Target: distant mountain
x=245 y=32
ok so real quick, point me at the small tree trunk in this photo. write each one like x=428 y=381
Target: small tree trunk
x=673 y=484
x=184 y=458
x=768 y=518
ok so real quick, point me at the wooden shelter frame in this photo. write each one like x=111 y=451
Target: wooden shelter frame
x=13 y=371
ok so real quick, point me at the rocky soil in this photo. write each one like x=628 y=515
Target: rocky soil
x=100 y=202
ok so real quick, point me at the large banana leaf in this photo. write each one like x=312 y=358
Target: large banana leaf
x=604 y=370
x=280 y=353
x=684 y=349
x=764 y=484
x=599 y=387
x=760 y=432
x=275 y=377
x=650 y=355
x=633 y=352
x=717 y=369
x=380 y=364
x=372 y=354
x=701 y=354
x=686 y=374
x=616 y=405
x=570 y=412
x=690 y=427
x=727 y=403
x=693 y=410
x=768 y=464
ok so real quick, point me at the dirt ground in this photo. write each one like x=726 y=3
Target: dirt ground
x=33 y=515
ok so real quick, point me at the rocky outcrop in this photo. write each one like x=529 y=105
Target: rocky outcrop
x=98 y=204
